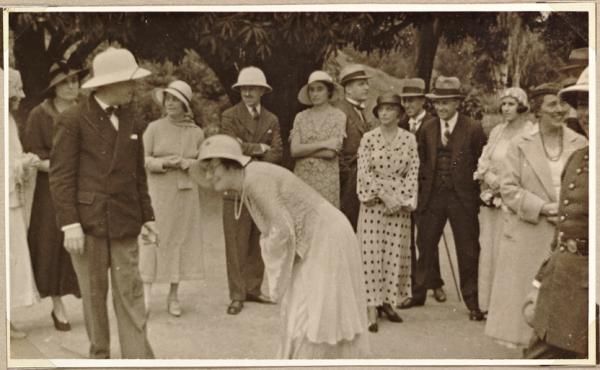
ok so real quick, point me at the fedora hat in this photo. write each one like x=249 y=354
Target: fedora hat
x=251 y=76
x=223 y=146
x=60 y=71
x=578 y=58
x=387 y=98
x=112 y=66
x=353 y=72
x=316 y=76
x=178 y=89
x=446 y=88
x=569 y=94
x=412 y=87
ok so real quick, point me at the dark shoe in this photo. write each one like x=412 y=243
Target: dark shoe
x=261 y=298
x=439 y=294
x=411 y=302
x=235 y=307
x=58 y=325
x=389 y=312
x=476 y=315
x=373 y=328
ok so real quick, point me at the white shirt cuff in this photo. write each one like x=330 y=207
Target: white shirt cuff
x=70 y=226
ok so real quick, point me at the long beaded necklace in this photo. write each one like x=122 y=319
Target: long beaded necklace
x=239 y=201
x=560 y=145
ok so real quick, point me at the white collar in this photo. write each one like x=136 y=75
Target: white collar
x=102 y=104
x=257 y=106
x=451 y=122
x=419 y=117
x=355 y=103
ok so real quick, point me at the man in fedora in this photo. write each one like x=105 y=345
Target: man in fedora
x=258 y=131
x=449 y=148
x=560 y=321
x=412 y=94
x=98 y=185
x=355 y=81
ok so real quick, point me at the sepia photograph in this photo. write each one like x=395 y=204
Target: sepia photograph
x=349 y=185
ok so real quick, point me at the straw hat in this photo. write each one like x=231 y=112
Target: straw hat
x=387 y=98
x=578 y=59
x=223 y=146
x=353 y=72
x=178 y=89
x=316 y=76
x=446 y=88
x=251 y=76
x=412 y=87
x=112 y=66
x=569 y=94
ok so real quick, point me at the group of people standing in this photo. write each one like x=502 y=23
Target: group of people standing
x=351 y=235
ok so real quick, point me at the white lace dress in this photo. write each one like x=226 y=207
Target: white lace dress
x=313 y=265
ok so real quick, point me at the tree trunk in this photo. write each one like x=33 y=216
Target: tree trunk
x=428 y=37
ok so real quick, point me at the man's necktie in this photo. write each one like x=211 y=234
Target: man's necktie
x=254 y=112
x=359 y=109
x=446 y=135
x=412 y=123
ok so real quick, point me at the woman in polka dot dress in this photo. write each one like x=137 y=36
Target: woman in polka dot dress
x=388 y=166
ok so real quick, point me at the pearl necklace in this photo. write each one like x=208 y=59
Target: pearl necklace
x=560 y=144
x=238 y=207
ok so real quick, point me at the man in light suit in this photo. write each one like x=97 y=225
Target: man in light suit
x=449 y=147
x=355 y=81
x=258 y=131
x=413 y=101
x=99 y=189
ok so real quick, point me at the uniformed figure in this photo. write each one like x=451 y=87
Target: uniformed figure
x=560 y=320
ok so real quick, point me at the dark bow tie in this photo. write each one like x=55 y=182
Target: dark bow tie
x=110 y=110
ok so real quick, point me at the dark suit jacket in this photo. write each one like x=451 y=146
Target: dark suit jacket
x=237 y=122
x=355 y=129
x=405 y=125
x=97 y=175
x=468 y=140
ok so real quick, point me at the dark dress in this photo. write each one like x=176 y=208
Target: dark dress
x=52 y=267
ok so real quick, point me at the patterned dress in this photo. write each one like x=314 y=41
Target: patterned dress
x=312 y=126
x=390 y=168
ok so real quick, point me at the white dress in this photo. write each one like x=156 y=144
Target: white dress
x=23 y=291
x=313 y=265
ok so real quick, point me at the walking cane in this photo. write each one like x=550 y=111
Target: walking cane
x=451 y=266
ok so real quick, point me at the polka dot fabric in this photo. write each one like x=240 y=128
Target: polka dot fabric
x=385 y=240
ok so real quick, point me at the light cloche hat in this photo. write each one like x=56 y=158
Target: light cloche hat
x=178 y=89
x=223 y=146
x=112 y=66
x=316 y=76
x=251 y=76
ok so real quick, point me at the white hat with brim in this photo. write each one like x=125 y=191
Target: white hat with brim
x=179 y=89
x=569 y=94
x=112 y=66
x=318 y=76
x=251 y=76
x=223 y=146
